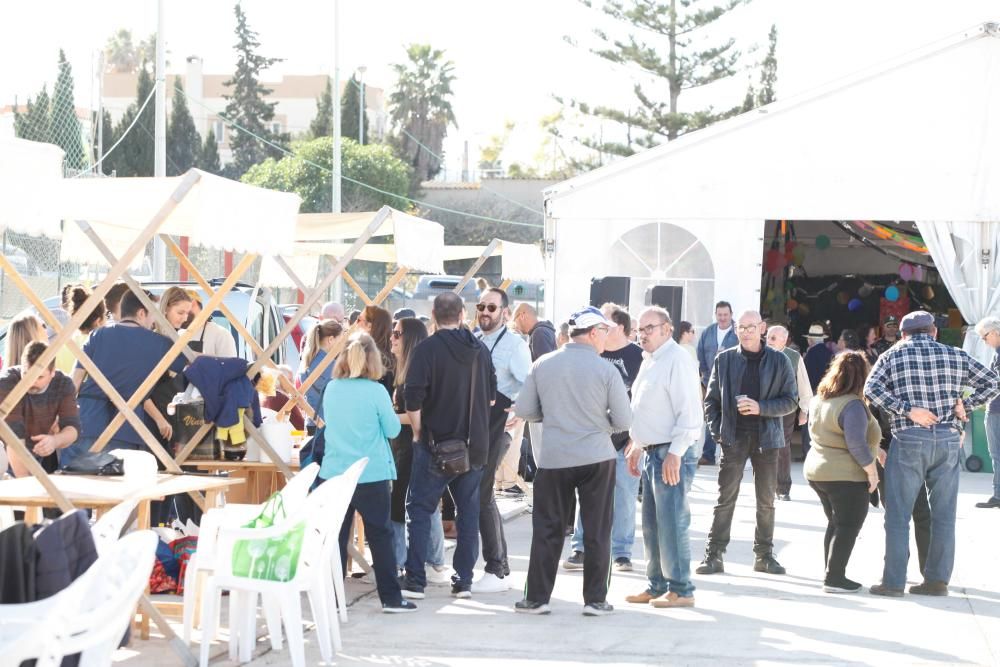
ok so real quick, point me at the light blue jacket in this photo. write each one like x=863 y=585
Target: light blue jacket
x=314 y=395
x=360 y=420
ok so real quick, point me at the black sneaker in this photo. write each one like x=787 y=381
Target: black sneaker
x=574 y=562
x=711 y=565
x=768 y=564
x=461 y=591
x=597 y=609
x=784 y=496
x=513 y=491
x=530 y=607
x=410 y=590
x=404 y=606
x=844 y=585
x=623 y=564
x=992 y=502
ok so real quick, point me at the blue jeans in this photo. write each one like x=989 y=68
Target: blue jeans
x=83 y=445
x=423 y=496
x=919 y=456
x=623 y=517
x=666 y=517
x=435 y=545
x=708 y=449
x=993 y=438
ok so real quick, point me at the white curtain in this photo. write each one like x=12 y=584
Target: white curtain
x=972 y=277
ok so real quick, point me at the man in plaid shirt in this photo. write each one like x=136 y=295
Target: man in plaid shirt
x=919 y=383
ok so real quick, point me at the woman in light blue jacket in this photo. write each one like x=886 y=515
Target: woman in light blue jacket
x=361 y=421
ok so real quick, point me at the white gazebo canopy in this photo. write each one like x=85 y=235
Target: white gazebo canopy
x=30 y=172
x=518 y=261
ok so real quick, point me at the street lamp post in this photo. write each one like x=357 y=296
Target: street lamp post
x=361 y=105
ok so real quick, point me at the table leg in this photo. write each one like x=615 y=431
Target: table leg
x=144 y=523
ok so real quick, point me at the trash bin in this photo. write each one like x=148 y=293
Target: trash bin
x=980 y=448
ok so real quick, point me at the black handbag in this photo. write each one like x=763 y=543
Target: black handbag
x=95 y=463
x=450 y=458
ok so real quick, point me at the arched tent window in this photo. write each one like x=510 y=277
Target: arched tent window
x=664 y=254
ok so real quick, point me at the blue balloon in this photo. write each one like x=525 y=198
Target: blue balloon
x=854 y=305
x=892 y=293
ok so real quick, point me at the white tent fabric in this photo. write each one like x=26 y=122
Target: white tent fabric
x=418 y=244
x=29 y=173
x=958 y=249
x=216 y=213
x=518 y=261
x=872 y=146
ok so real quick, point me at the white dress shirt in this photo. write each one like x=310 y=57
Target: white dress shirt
x=666 y=400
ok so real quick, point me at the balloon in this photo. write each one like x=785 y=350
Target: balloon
x=799 y=255
x=792 y=304
x=928 y=292
x=774 y=261
x=865 y=290
x=918 y=272
x=854 y=305
x=843 y=298
x=905 y=271
x=892 y=293
x=822 y=241
x=803 y=309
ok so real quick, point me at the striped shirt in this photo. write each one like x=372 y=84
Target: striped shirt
x=919 y=372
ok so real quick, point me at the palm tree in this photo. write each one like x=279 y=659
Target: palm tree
x=420 y=107
x=120 y=53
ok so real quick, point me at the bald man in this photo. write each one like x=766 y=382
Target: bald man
x=777 y=338
x=750 y=388
x=541 y=334
x=333 y=311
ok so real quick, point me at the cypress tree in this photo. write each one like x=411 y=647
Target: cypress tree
x=208 y=156
x=65 y=126
x=350 y=110
x=322 y=124
x=183 y=142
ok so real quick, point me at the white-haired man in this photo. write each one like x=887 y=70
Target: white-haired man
x=988 y=329
x=777 y=338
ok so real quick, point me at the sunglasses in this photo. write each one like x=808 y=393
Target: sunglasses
x=397 y=334
x=487 y=306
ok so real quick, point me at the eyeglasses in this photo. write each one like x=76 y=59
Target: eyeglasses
x=746 y=328
x=650 y=328
x=487 y=306
x=602 y=328
x=397 y=333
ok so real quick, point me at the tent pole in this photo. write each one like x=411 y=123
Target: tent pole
x=487 y=253
x=390 y=285
x=356 y=287
x=505 y=284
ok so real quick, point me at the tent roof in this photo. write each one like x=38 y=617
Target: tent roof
x=216 y=213
x=518 y=261
x=917 y=138
x=29 y=173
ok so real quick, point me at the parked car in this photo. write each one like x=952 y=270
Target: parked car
x=301 y=330
x=428 y=287
x=253 y=306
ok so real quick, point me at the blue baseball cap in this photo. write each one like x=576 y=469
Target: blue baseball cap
x=588 y=317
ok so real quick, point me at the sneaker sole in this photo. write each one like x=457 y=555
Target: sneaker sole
x=490 y=591
x=462 y=595
x=623 y=568
x=538 y=611
x=838 y=590
x=572 y=566
x=397 y=610
x=709 y=571
x=589 y=611
x=412 y=595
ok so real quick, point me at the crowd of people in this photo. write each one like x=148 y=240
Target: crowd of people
x=613 y=404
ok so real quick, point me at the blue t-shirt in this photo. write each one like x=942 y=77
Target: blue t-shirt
x=127 y=355
x=363 y=421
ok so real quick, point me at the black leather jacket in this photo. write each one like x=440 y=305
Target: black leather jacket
x=778 y=396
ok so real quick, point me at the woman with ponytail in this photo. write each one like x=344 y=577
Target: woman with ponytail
x=323 y=339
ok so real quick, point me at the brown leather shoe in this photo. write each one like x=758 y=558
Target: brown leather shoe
x=644 y=597
x=935 y=588
x=671 y=600
x=885 y=591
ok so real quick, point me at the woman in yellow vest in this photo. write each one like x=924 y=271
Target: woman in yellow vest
x=840 y=466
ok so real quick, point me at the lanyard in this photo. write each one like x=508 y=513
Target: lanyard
x=497 y=341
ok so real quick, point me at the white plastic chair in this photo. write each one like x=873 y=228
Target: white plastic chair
x=109 y=527
x=320 y=524
x=88 y=617
x=293 y=498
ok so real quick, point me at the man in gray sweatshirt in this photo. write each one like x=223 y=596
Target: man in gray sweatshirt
x=582 y=400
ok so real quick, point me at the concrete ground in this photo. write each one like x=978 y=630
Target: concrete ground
x=741 y=617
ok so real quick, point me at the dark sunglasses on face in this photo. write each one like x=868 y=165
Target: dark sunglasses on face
x=487 y=306
x=397 y=334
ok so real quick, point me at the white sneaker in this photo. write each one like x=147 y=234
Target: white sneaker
x=490 y=583
x=438 y=575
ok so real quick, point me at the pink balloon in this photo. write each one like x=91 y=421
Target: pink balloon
x=918 y=272
x=905 y=271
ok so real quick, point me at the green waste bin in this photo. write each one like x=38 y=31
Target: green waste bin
x=980 y=448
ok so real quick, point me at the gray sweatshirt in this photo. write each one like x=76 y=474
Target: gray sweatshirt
x=581 y=399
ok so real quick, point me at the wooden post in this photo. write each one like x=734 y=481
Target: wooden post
x=470 y=274
x=356 y=287
x=390 y=285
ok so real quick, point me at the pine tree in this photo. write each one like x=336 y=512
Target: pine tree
x=183 y=142
x=246 y=106
x=350 y=111
x=108 y=138
x=769 y=70
x=34 y=123
x=134 y=155
x=66 y=131
x=322 y=124
x=208 y=156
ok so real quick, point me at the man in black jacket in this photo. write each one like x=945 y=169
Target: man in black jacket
x=436 y=394
x=750 y=389
x=541 y=334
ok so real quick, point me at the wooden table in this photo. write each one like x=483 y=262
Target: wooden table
x=101 y=493
x=262 y=478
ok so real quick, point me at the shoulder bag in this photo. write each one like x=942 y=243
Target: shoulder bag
x=450 y=458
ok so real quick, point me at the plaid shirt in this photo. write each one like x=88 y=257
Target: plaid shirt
x=920 y=373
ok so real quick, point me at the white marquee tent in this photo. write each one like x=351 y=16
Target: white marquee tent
x=914 y=139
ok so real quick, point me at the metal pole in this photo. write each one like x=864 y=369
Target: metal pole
x=336 y=207
x=361 y=105
x=160 y=132
x=100 y=111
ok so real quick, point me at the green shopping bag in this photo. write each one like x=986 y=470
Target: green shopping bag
x=271 y=559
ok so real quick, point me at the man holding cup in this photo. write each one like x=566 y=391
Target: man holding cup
x=750 y=389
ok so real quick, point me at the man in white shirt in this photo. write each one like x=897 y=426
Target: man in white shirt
x=667 y=430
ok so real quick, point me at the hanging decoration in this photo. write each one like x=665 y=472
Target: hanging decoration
x=911 y=242
x=855 y=305
x=892 y=293
x=871 y=244
x=865 y=290
x=906 y=271
x=928 y=292
x=822 y=242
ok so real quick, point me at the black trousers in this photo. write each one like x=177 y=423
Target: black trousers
x=765 y=474
x=552 y=512
x=490 y=521
x=785 y=455
x=372 y=501
x=402 y=455
x=846 y=507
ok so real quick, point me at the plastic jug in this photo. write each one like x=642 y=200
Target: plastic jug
x=279 y=436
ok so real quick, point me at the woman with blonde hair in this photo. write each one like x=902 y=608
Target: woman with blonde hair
x=323 y=339
x=359 y=406
x=840 y=465
x=175 y=304
x=22 y=330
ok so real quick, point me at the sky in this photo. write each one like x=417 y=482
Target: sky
x=511 y=57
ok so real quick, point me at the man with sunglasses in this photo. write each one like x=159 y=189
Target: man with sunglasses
x=511 y=361
x=582 y=400
x=750 y=389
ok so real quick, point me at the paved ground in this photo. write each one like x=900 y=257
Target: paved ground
x=742 y=617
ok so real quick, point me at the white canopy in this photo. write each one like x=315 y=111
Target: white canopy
x=418 y=244
x=880 y=145
x=29 y=173
x=518 y=261
x=216 y=213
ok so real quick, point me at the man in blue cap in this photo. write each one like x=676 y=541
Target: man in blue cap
x=582 y=400
x=920 y=384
